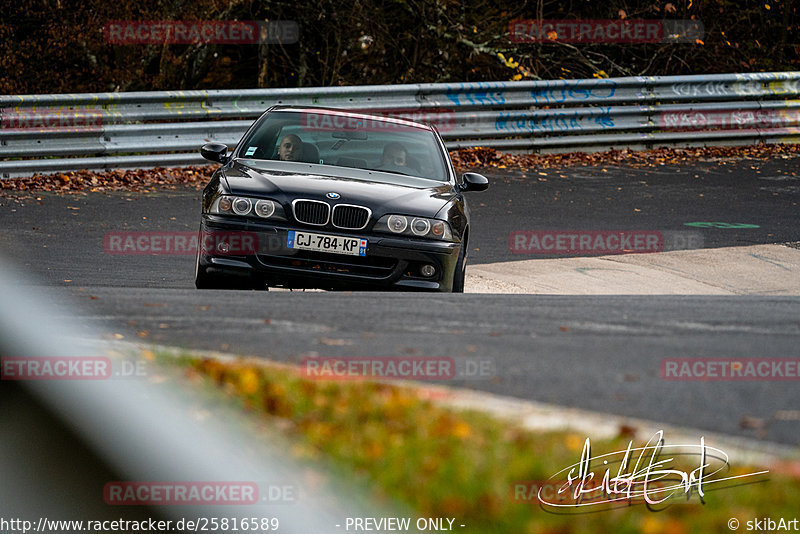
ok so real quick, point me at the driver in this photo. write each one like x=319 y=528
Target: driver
x=291 y=148
x=394 y=155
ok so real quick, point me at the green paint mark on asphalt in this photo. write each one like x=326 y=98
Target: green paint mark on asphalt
x=720 y=225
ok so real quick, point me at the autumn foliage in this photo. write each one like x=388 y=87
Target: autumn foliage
x=159 y=178
x=59 y=46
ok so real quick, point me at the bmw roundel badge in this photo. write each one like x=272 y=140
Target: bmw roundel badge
x=333 y=196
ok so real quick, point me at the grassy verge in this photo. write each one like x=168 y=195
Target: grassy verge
x=464 y=464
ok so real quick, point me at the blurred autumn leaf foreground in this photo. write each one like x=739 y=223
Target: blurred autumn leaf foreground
x=405 y=444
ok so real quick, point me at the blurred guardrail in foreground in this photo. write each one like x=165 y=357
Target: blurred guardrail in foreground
x=64 y=440
x=147 y=129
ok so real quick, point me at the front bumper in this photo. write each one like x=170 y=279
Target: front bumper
x=391 y=263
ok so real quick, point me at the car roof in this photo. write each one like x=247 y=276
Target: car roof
x=353 y=114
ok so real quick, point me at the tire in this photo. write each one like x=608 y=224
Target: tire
x=204 y=280
x=460 y=272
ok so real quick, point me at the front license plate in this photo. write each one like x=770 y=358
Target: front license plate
x=352 y=246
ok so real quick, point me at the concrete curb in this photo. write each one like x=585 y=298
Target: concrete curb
x=749 y=270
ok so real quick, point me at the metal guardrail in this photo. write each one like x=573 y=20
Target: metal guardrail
x=129 y=130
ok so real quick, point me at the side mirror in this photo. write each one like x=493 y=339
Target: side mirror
x=216 y=152
x=473 y=181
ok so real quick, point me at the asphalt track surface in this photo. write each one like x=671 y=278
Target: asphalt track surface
x=598 y=353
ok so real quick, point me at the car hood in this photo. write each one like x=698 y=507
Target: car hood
x=379 y=191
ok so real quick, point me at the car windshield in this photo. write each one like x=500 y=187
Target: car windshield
x=347 y=140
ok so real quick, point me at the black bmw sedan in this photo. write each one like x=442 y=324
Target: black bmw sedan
x=323 y=198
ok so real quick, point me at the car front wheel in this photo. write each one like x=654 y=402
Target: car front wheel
x=460 y=272
x=204 y=280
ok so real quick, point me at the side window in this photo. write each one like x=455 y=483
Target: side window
x=260 y=145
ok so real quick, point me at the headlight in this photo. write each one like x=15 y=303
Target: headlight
x=247 y=207
x=420 y=227
x=241 y=206
x=397 y=223
x=264 y=208
x=414 y=227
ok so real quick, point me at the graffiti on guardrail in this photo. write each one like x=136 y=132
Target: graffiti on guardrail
x=767 y=83
x=782 y=87
x=564 y=91
x=480 y=94
x=721 y=119
x=702 y=89
x=555 y=121
x=747 y=88
x=753 y=106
